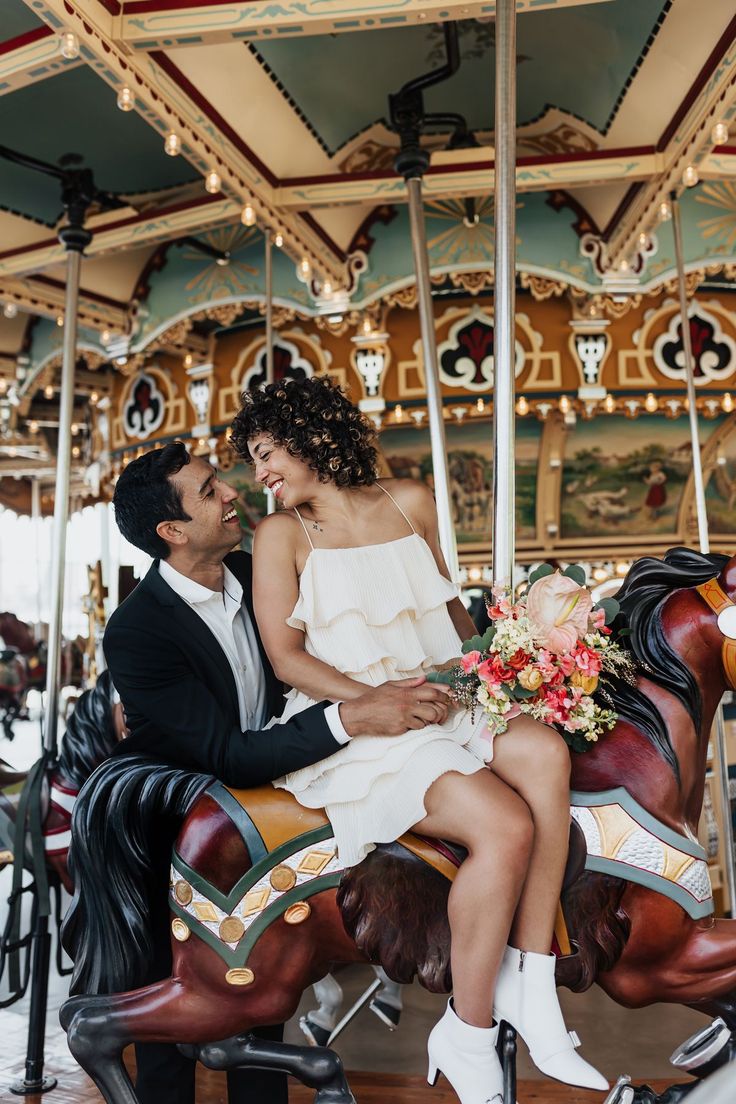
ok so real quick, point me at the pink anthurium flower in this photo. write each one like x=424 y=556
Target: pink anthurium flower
x=559 y=611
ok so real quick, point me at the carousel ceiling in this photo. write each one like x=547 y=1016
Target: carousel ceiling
x=288 y=105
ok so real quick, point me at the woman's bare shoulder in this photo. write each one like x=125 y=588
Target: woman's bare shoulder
x=281 y=528
x=413 y=495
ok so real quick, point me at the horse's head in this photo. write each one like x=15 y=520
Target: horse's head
x=92 y=732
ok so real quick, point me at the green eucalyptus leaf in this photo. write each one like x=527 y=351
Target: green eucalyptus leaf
x=475 y=644
x=576 y=573
x=610 y=607
x=445 y=677
x=487 y=638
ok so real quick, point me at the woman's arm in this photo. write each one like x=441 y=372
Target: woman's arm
x=418 y=502
x=275 y=592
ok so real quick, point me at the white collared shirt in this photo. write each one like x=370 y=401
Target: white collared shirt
x=230 y=624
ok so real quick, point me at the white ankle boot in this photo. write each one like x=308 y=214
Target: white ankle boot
x=467 y=1057
x=526 y=998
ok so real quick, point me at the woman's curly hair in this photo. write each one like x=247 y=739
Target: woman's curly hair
x=314 y=421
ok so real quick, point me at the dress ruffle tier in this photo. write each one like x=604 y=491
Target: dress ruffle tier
x=375 y=613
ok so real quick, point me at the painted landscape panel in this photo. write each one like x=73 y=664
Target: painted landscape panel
x=625 y=476
x=469 y=446
x=720 y=489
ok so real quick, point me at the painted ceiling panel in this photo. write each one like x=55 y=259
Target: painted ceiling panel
x=113 y=275
x=75 y=113
x=577 y=59
x=601 y=201
x=15 y=19
x=236 y=84
x=678 y=53
x=16 y=231
x=11 y=333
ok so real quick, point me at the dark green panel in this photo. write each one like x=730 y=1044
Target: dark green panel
x=76 y=112
x=15 y=19
x=578 y=59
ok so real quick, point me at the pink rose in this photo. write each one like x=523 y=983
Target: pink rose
x=558 y=609
x=469 y=661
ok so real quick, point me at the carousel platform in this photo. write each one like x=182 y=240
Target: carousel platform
x=74 y=1087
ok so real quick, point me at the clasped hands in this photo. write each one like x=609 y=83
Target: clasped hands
x=395 y=707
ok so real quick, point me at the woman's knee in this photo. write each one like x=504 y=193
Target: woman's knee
x=506 y=822
x=543 y=751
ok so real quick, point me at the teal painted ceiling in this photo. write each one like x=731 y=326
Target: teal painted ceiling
x=577 y=59
x=16 y=19
x=74 y=113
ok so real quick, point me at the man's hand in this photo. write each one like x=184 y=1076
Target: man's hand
x=396 y=707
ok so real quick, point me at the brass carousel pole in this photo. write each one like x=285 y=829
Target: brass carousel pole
x=438 y=442
x=703 y=535
x=268 y=273
x=504 y=336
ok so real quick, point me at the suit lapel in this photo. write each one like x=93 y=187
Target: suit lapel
x=191 y=630
x=241 y=565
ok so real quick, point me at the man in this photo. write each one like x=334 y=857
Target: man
x=197 y=687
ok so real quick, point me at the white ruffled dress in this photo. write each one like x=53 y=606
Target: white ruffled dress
x=378 y=612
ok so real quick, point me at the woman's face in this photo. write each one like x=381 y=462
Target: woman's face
x=290 y=479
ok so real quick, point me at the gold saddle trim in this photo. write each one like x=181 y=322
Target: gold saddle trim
x=279 y=818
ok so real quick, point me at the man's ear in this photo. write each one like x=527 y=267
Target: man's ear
x=171 y=532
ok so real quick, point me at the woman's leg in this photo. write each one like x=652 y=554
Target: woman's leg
x=482 y=813
x=534 y=760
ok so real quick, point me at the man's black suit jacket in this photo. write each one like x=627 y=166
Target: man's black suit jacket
x=180 y=697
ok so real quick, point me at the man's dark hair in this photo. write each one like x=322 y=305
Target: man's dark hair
x=145 y=495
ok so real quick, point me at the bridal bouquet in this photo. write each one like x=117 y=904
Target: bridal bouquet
x=545 y=655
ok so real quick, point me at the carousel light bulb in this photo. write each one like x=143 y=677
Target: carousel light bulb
x=600 y=574
x=727 y=402
x=278 y=240
x=480 y=405
x=172 y=145
x=10 y=310
x=622 y=568
x=75 y=451
x=60 y=320
x=12 y=453
x=643 y=240
x=212 y=182
x=650 y=403
x=33 y=427
x=304 y=270
x=48 y=391
x=719 y=134
x=126 y=99
x=105 y=337
x=398 y=412
x=68 y=45
x=522 y=406
x=188 y=360
x=690 y=177
x=248 y=215
x=564 y=404
x=94 y=398
x=326 y=289
x=665 y=211
x=75 y=429
x=609 y=404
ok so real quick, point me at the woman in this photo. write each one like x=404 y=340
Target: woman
x=350 y=587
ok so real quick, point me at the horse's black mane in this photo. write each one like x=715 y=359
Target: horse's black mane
x=90 y=735
x=643 y=594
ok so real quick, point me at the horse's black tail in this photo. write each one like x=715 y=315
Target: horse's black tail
x=125 y=820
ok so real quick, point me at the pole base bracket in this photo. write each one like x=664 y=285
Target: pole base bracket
x=29 y=1088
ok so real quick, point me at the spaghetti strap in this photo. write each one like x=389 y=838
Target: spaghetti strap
x=406 y=519
x=306 y=531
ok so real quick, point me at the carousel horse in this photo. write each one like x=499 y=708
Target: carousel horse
x=260 y=907
x=92 y=731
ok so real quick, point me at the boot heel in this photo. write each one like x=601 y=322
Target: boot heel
x=432 y=1074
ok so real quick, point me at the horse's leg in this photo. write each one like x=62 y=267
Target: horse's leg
x=670 y=957
x=316 y=1067
x=99 y=1028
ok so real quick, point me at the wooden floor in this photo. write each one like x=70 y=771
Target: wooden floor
x=369 y=1088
